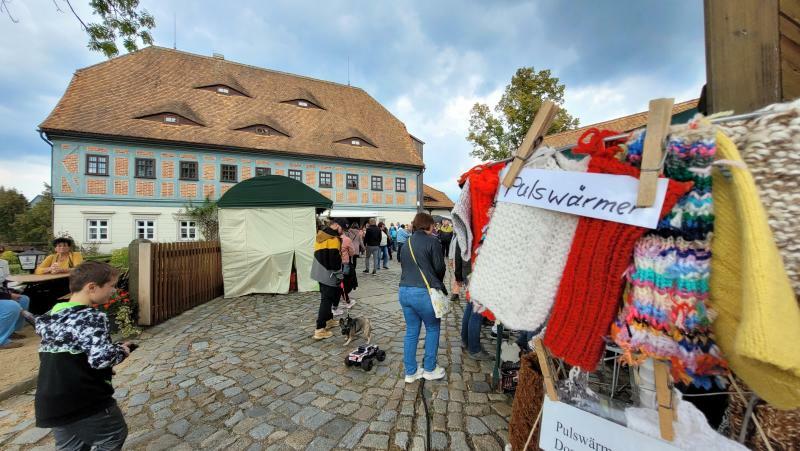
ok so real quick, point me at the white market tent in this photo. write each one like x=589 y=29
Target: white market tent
x=265 y=224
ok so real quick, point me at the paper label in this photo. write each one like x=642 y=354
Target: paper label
x=567 y=428
x=601 y=196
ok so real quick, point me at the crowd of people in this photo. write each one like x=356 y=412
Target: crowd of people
x=424 y=249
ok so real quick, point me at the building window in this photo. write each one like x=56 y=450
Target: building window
x=302 y=103
x=228 y=173
x=352 y=181
x=96 y=164
x=263 y=171
x=97 y=230
x=188 y=170
x=187 y=230
x=377 y=183
x=325 y=180
x=146 y=168
x=296 y=174
x=355 y=142
x=400 y=185
x=223 y=90
x=146 y=229
x=169 y=119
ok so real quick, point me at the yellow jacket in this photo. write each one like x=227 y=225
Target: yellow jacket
x=75 y=259
x=758 y=327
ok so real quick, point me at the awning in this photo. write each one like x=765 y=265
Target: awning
x=340 y=213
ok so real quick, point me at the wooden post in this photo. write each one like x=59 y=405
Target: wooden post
x=547 y=370
x=742 y=54
x=541 y=123
x=140 y=255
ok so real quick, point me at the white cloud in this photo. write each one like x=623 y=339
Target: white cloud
x=27 y=175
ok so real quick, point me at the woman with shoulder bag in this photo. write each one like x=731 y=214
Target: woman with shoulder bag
x=423 y=271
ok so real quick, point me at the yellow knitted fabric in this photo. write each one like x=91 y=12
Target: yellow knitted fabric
x=758 y=327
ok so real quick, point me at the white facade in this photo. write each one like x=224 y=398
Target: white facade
x=114 y=227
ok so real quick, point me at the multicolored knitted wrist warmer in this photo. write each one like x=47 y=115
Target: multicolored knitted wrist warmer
x=665 y=315
x=592 y=283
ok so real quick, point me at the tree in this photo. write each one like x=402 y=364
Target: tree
x=497 y=136
x=206 y=216
x=35 y=225
x=121 y=19
x=12 y=203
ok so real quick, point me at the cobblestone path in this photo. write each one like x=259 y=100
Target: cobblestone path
x=245 y=374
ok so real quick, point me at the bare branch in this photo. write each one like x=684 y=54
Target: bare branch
x=4 y=7
x=76 y=15
x=57 y=7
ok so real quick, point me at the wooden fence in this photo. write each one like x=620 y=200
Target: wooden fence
x=175 y=277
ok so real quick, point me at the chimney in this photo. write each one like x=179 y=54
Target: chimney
x=218 y=56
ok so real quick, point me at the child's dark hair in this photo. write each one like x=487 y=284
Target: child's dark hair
x=91 y=271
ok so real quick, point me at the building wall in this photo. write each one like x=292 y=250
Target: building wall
x=75 y=192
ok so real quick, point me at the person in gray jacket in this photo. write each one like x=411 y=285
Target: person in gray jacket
x=427 y=259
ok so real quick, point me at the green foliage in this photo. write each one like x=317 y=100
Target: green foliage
x=10 y=257
x=12 y=203
x=120 y=20
x=120 y=308
x=16 y=269
x=496 y=136
x=119 y=258
x=206 y=216
x=35 y=225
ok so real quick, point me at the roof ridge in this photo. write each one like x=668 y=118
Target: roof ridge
x=599 y=124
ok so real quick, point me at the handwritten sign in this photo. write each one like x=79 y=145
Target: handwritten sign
x=601 y=196
x=567 y=428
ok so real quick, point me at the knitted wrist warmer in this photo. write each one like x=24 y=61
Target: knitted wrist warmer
x=592 y=282
x=483 y=183
x=462 y=222
x=665 y=315
x=519 y=265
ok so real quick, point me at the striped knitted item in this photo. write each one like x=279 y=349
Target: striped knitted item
x=592 y=283
x=665 y=315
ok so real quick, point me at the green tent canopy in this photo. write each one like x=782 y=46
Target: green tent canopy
x=267 y=226
x=271 y=191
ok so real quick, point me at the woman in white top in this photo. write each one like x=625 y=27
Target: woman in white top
x=384 y=245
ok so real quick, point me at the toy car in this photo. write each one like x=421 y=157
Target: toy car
x=364 y=356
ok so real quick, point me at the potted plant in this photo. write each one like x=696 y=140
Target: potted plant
x=120 y=310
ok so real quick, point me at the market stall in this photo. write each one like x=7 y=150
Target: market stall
x=267 y=226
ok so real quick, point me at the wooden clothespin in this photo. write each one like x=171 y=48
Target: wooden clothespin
x=658 y=120
x=541 y=123
x=547 y=370
x=666 y=412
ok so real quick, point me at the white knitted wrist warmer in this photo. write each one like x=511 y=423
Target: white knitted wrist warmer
x=518 y=268
x=462 y=222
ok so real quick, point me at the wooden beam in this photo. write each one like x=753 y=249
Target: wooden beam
x=547 y=370
x=742 y=54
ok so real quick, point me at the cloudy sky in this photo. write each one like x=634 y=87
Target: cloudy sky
x=428 y=62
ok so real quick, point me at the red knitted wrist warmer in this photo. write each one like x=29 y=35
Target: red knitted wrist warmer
x=592 y=282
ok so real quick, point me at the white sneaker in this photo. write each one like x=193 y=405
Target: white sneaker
x=437 y=373
x=350 y=304
x=337 y=312
x=415 y=376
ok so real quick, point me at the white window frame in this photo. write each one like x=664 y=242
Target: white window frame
x=136 y=228
x=223 y=90
x=302 y=103
x=98 y=228
x=181 y=227
x=170 y=119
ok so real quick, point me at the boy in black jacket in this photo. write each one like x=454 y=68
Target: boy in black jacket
x=74 y=395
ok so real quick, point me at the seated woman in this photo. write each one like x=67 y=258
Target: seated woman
x=63 y=260
x=13 y=313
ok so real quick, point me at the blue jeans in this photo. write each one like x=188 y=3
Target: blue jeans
x=417 y=309
x=385 y=256
x=10 y=318
x=471 y=329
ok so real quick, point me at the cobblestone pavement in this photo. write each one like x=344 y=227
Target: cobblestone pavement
x=245 y=374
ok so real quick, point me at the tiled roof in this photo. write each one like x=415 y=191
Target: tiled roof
x=622 y=124
x=434 y=198
x=106 y=99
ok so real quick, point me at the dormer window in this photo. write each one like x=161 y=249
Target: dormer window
x=223 y=90
x=356 y=141
x=263 y=130
x=304 y=103
x=169 y=119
